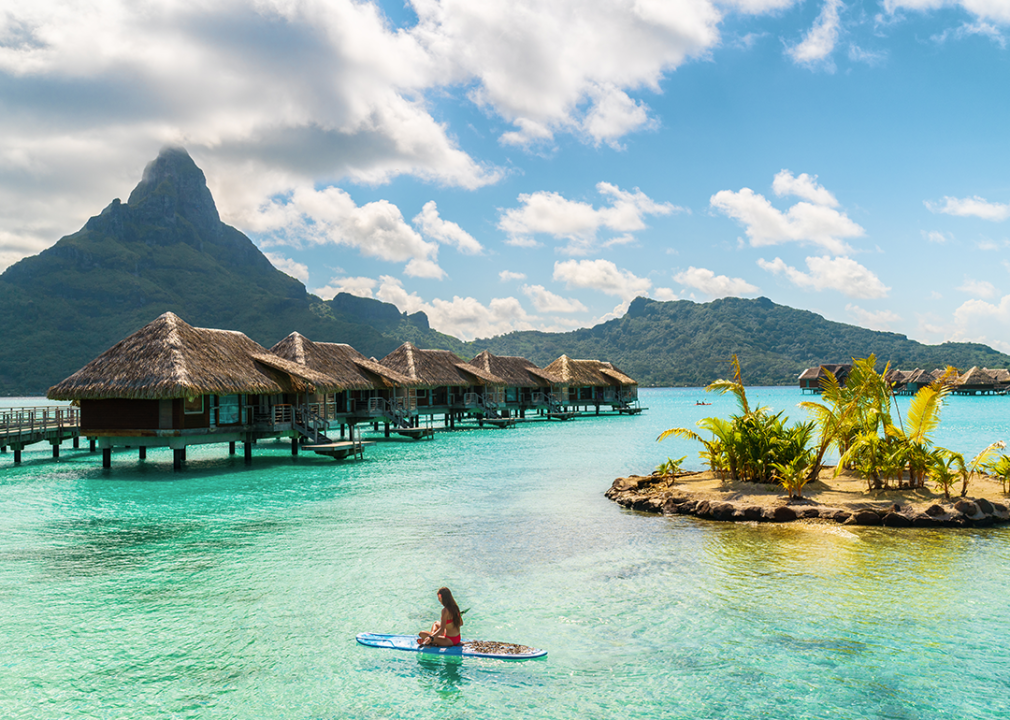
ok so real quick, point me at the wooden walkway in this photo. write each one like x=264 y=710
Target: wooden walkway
x=23 y=426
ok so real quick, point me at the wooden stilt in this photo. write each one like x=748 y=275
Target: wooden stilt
x=142 y=453
x=247 y=451
x=56 y=450
x=178 y=458
x=386 y=429
x=106 y=458
x=294 y=447
x=91 y=444
x=77 y=442
x=17 y=455
x=231 y=448
x=342 y=427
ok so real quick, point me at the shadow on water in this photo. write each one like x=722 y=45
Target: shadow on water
x=442 y=674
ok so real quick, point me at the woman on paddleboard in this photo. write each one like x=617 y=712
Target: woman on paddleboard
x=446 y=632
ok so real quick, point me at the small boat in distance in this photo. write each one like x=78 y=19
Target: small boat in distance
x=702 y=403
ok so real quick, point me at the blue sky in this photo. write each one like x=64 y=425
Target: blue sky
x=514 y=165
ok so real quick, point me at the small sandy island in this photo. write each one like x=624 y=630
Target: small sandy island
x=843 y=499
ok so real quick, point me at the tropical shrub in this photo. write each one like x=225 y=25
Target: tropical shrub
x=671 y=467
x=1000 y=467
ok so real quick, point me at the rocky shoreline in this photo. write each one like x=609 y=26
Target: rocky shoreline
x=658 y=494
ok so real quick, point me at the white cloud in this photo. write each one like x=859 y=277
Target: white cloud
x=935 y=236
x=997 y=11
x=295 y=269
x=566 y=65
x=757 y=7
x=804 y=186
x=804 y=222
x=508 y=275
x=465 y=318
x=376 y=229
x=665 y=294
x=444 y=231
x=971 y=207
x=713 y=285
x=360 y=286
x=842 y=274
x=980 y=321
x=820 y=40
x=578 y=222
x=601 y=275
x=978 y=288
x=875 y=320
x=547 y=302
x=871 y=58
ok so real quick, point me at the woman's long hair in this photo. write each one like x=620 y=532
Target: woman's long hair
x=449 y=603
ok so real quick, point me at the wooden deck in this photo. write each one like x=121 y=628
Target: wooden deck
x=23 y=426
x=340 y=450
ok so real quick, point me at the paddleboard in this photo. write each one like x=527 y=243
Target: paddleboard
x=469 y=648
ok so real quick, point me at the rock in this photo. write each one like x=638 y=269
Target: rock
x=966 y=508
x=924 y=520
x=753 y=512
x=865 y=517
x=722 y=511
x=935 y=511
x=783 y=513
x=842 y=516
x=624 y=485
x=894 y=519
x=985 y=506
x=1000 y=511
x=703 y=508
x=687 y=508
x=810 y=512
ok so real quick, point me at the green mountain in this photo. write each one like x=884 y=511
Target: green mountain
x=167 y=249
x=689 y=344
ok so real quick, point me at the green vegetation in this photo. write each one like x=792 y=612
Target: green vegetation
x=857 y=421
x=670 y=468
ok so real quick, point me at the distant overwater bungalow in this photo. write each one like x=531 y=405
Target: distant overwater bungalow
x=974 y=381
x=173 y=385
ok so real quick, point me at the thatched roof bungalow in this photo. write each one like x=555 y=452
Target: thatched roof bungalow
x=173 y=384
x=451 y=383
x=526 y=385
x=810 y=379
x=367 y=388
x=975 y=381
x=592 y=382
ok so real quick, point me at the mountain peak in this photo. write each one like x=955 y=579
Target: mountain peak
x=174 y=185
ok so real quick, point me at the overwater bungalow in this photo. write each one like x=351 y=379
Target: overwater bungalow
x=590 y=384
x=446 y=385
x=369 y=391
x=810 y=379
x=527 y=387
x=975 y=381
x=173 y=385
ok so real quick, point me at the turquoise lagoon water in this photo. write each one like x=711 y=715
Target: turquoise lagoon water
x=233 y=592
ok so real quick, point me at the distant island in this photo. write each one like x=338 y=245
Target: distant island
x=166 y=249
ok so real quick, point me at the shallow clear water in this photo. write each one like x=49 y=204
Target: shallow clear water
x=227 y=592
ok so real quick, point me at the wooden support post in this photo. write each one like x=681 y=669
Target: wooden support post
x=597 y=408
x=17 y=455
x=375 y=426
x=91 y=444
x=77 y=442
x=231 y=448
x=247 y=451
x=178 y=458
x=106 y=458
x=386 y=429
x=294 y=447
x=56 y=450
x=3 y=449
x=342 y=431
x=142 y=452
x=452 y=421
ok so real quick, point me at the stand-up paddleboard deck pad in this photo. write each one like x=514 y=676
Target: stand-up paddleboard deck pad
x=469 y=648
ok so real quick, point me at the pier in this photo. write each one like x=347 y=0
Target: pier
x=23 y=426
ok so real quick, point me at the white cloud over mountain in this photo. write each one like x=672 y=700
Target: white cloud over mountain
x=826 y=273
x=816 y=222
x=548 y=213
x=601 y=275
x=715 y=286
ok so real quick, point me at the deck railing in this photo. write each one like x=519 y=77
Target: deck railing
x=26 y=420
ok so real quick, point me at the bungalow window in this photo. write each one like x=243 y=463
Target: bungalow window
x=193 y=405
x=228 y=410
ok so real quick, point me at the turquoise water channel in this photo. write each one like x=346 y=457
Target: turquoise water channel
x=233 y=592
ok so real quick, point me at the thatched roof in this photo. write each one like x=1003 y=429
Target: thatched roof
x=587 y=373
x=168 y=358
x=976 y=377
x=921 y=377
x=515 y=371
x=1001 y=375
x=437 y=368
x=346 y=366
x=841 y=372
